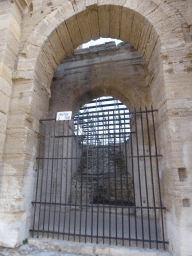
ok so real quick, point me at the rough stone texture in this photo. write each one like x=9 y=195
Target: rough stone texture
x=48 y=247
x=34 y=40
x=31 y=249
x=97 y=71
x=97 y=178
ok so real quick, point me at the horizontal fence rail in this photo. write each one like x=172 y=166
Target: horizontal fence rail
x=98 y=179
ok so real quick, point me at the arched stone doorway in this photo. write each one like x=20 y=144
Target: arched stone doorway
x=148 y=27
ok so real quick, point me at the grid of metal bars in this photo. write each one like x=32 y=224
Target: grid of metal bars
x=98 y=179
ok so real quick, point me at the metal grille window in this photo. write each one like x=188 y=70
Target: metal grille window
x=98 y=178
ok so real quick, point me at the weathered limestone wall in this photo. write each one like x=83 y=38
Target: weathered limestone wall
x=10 y=21
x=176 y=146
x=10 y=31
x=102 y=177
x=107 y=69
x=160 y=31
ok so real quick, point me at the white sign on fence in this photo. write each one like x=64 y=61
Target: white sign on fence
x=64 y=115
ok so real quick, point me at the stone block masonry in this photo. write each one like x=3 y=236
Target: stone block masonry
x=101 y=177
x=96 y=71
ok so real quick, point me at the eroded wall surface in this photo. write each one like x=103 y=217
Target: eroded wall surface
x=103 y=70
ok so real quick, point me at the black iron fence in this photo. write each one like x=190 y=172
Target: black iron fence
x=98 y=180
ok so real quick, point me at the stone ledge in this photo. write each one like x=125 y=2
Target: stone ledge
x=94 y=249
x=109 y=46
x=99 y=52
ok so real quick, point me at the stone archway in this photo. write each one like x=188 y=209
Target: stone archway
x=152 y=28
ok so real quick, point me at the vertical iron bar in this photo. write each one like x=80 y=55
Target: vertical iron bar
x=114 y=126
x=103 y=178
x=97 y=189
x=56 y=178
x=109 y=152
x=139 y=174
x=132 y=163
x=77 y=166
x=61 y=177
x=66 y=176
x=71 y=175
x=92 y=187
x=83 y=132
x=87 y=158
x=121 y=175
x=51 y=179
x=49 y=134
x=157 y=163
x=152 y=180
x=127 y=178
x=42 y=182
x=146 y=182
x=41 y=126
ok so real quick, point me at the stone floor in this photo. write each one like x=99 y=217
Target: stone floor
x=30 y=249
x=53 y=247
x=69 y=247
x=103 y=224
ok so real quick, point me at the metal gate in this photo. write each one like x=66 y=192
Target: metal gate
x=98 y=179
